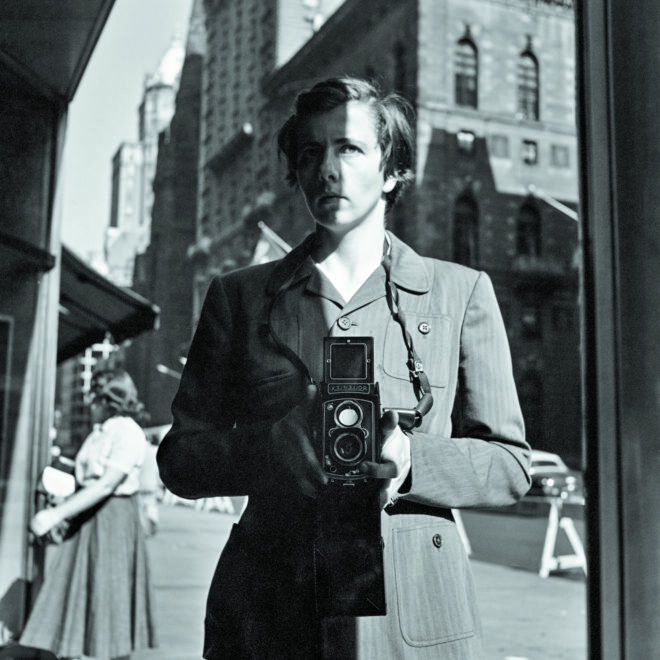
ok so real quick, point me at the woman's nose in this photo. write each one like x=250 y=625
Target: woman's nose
x=328 y=170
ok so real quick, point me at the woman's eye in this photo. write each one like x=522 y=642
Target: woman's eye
x=350 y=149
x=309 y=152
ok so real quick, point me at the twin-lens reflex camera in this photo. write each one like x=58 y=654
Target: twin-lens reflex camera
x=348 y=553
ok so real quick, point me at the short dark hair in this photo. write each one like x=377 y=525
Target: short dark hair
x=393 y=116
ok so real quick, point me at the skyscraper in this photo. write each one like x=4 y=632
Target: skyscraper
x=134 y=165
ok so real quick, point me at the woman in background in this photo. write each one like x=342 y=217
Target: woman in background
x=96 y=599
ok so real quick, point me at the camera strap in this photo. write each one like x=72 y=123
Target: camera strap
x=418 y=377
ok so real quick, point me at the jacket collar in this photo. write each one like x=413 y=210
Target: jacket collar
x=409 y=270
x=293 y=267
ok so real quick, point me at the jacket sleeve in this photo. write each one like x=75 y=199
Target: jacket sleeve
x=204 y=455
x=486 y=461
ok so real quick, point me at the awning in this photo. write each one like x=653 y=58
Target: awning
x=91 y=306
x=49 y=42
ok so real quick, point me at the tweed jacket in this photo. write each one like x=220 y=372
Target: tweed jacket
x=470 y=451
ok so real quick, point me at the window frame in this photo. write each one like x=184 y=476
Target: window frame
x=528 y=87
x=466 y=73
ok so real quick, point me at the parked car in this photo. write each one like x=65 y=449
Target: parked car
x=551 y=477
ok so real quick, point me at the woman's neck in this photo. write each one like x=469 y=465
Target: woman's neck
x=348 y=260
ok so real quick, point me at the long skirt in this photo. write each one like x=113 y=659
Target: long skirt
x=96 y=598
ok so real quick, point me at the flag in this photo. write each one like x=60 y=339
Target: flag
x=269 y=246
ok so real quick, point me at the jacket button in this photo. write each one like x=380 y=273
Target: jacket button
x=344 y=322
x=437 y=540
x=424 y=327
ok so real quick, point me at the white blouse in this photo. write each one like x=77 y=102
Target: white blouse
x=119 y=443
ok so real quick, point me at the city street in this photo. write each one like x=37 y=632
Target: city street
x=524 y=615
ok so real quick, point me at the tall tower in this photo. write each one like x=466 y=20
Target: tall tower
x=156 y=112
x=133 y=169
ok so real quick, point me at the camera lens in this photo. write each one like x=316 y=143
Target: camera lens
x=348 y=413
x=349 y=447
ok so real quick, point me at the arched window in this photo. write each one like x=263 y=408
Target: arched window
x=466 y=230
x=528 y=86
x=466 y=73
x=528 y=230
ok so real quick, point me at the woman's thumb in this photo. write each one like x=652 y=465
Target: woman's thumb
x=389 y=421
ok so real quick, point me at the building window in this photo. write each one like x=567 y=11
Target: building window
x=466 y=230
x=499 y=146
x=530 y=152
x=466 y=73
x=528 y=231
x=528 y=86
x=559 y=156
x=465 y=140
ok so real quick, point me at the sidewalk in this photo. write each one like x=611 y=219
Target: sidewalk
x=524 y=616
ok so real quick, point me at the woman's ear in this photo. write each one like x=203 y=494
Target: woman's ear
x=390 y=184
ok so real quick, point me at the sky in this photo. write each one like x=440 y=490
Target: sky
x=104 y=111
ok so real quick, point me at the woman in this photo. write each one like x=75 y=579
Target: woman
x=96 y=599
x=246 y=421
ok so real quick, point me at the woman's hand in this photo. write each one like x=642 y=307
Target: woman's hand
x=44 y=521
x=290 y=452
x=395 y=459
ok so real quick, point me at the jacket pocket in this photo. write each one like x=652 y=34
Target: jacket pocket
x=434 y=588
x=431 y=335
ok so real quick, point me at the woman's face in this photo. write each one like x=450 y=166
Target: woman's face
x=101 y=409
x=339 y=168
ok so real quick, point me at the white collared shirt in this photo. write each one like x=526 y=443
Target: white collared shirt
x=119 y=443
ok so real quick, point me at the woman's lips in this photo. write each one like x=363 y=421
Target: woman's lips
x=329 y=198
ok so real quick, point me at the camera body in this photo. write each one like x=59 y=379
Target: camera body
x=348 y=550
x=350 y=410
